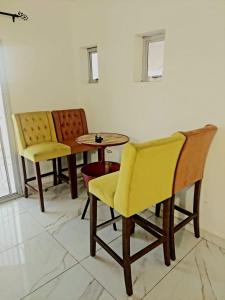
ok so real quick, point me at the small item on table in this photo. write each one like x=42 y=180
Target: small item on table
x=98 y=138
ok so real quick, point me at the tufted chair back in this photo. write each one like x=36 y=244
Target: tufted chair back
x=146 y=174
x=70 y=123
x=33 y=128
x=193 y=156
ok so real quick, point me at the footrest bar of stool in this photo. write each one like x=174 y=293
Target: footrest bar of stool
x=64 y=177
x=42 y=175
x=145 y=224
x=145 y=250
x=184 y=222
x=31 y=187
x=109 y=250
x=108 y=222
x=183 y=211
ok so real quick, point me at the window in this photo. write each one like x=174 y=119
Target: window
x=153 y=56
x=93 y=65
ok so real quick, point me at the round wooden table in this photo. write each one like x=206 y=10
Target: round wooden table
x=108 y=139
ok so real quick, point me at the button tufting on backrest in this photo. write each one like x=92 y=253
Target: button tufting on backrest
x=69 y=124
x=35 y=127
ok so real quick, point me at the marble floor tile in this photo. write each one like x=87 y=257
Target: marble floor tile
x=29 y=202
x=39 y=254
x=74 y=234
x=200 y=275
x=147 y=213
x=29 y=265
x=76 y=283
x=59 y=207
x=146 y=271
x=10 y=209
x=17 y=229
x=96 y=291
x=51 y=193
x=57 y=211
x=213 y=239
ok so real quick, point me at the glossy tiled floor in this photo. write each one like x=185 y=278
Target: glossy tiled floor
x=3 y=179
x=46 y=256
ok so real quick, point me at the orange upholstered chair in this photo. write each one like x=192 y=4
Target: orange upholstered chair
x=70 y=124
x=189 y=170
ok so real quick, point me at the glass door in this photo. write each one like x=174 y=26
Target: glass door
x=7 y=182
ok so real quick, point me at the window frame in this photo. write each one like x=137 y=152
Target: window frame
x=147 y=39
x=90 y=51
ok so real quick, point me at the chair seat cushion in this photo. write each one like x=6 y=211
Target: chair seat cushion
x=104 y=187
x=78 y=148
x=45 y=151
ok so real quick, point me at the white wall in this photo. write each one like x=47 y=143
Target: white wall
x=37 y=55
x=191 y=93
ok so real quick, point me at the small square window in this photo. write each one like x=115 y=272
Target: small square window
x=153 y=56
x=93 y=65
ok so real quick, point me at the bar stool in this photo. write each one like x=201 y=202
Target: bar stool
x=145 y=178
x=70 y=124
x=37 y=141
x=189 y=171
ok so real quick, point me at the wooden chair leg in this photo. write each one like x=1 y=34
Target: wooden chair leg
x=59 y=160
x=93 y=224
x=166 y=231
x=85 y=157
x=196 y=206
x=126 y=231
x=38 y=174
x=132 y=231
x=24 y=177
x=55 y=181
x=113 y=217
x=72 y=175
x=157 y=209
x=85 y=208
x=172 y=241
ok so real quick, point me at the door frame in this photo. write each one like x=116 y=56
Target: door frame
x=11 y=136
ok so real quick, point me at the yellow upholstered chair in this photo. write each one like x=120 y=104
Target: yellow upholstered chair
x=145 y=178
x=37 y=141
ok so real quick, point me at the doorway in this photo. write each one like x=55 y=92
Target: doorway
x=7 y=181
